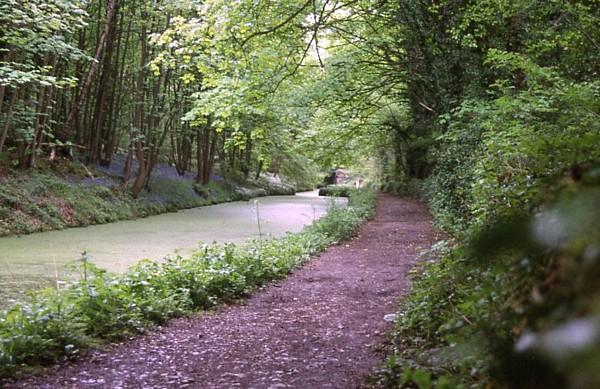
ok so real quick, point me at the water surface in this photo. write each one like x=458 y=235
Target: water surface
x=115 y=246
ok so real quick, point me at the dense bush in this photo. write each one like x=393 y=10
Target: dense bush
x=512 y=298
x=337 y=190
x=106 y=306
x=498 y=155
x=517 y=306
x=404 y=187
x=514 y=185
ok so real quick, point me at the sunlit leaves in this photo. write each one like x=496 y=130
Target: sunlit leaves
x=37 y=28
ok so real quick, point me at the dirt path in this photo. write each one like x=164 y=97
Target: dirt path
x=316 y=329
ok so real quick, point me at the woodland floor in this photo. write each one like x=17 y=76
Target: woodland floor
x=319 y=328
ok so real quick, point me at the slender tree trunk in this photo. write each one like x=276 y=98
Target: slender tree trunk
x=200 y=157
x=37 y=132
x=9 y=58
x=117 y=108
x=8 y=120
x=127 y=167
x=247 y=157
x=138 y=122
x=44 y=101
x=110 y=12
x=211 y=157
x=108 y=129
x=154 y=151
x=259 y=169
x=77 y=90
x=205 y=153
x=20 y=142
x=103 y=93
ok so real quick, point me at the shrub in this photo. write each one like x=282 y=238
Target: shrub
x=407 y=187
x=337 y=190
x=508 y=307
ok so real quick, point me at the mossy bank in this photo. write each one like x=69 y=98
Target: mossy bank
x=35 y=201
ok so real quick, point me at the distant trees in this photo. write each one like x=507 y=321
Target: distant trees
x=36 y=52
x=162 y=80
x=258 y=85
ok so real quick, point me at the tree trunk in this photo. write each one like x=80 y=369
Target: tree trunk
x=37 y=127
x=138 y=115
x=259 y=169
x=110 y=12
x=103 y=93
x=117 y=100
x=205 y=153
x=247 y=157
x=9 y=115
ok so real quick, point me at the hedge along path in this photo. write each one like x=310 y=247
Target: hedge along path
x=319 y=327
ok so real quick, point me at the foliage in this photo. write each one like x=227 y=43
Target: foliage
x=517 y=306
x=164 y=80
x=503 y=99
x=31 y=31
x=497 y=155
x=489 y=102
x=337 y=190
x=105 y=306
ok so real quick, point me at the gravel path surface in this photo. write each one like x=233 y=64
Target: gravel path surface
x=319 y=328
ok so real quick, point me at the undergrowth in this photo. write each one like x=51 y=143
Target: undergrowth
x=105 y=307
x=337 y=190
x=514 y=305
x=514 y=301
